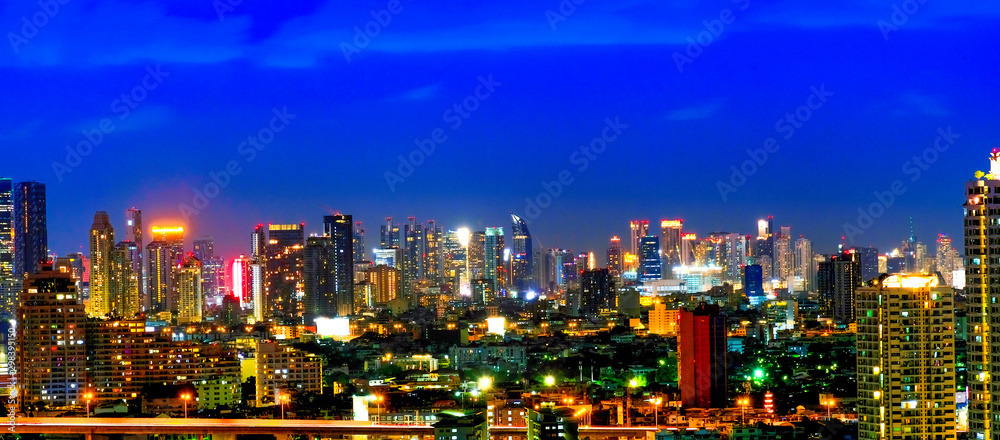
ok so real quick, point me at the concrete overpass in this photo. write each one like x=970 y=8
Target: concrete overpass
x=224 y=429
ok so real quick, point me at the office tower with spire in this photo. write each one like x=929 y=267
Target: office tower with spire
x=102 y=243
x=522 y=256
x=190 y=298
x=8 y=285
x=616 y=259
x=31 y=241
x=906 y=359
x=982 y=245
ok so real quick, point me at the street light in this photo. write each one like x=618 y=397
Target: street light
x=829 y=404
x=186 y=397
x=656 y=410
x=550 y=381
x=87 y=397
x=744 y=403
x=634 y=383
x=284 y=400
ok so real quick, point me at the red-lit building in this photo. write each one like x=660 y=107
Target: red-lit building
x=701 y=346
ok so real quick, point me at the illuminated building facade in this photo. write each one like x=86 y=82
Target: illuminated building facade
x=616 y=257
x=477 y=255
x=282 y=370
x=31 y=241
x=124 y=283
x=160 y=269
x=805 y=264
x=838 y=280
x=8 y=285
x=671 y=231
x=359 y=242
x=102 y=242
x=982 y=217
x=638 y=230
x=651 y=268
x=494 y=245
x=522 y=257
x=285 y=246
x=190 y=297
x=386 y=282
x=241 y=281
x=701 y=357
x=906 y=360
x=133 y=233
x=663 y=321
x=597 y=293
x=50 y=341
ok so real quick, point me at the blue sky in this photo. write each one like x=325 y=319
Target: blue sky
x=353 y=119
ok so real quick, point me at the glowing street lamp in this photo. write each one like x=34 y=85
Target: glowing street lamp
x=185 y=397
x=656 y=410
x=744 y=403
x=550 y=381
x=88 y=397
x=284 y=399
x=829 y=404
x=634 y=383
x=485 y=383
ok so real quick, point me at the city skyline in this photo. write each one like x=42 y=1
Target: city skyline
x=686 y=128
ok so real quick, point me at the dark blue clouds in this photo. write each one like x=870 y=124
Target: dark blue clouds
x=354 y=119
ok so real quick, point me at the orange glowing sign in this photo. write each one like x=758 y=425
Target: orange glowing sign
x=170 y=230
x=689 y=237
x=672 y=223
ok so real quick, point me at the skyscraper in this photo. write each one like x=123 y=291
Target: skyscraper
x=284 y=265
x=102 y=242
x=124 y=283
x=650 y=268
x=433 y=256
x=359 y=242
x=838 y=280
x=671 y=244
x=784 y=257
x=868 y=259
x=616 y=260
x=638 y=229
x=55 y=368
x=522 y=266
x=9 y=286
x=160 y=269
x=190 y=298
x=241 y=281
x=753 y=283
x=805 y=264
x=494 y=257
x=701 y=357
x=982 y=244
x=597 y=292
x=204 y=248
x=339 y=229
x=477 y=255
x=31 y=242
x=906 y=360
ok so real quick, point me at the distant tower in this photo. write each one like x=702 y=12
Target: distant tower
x=671 y=244
x=102 y=243
x=616 y=261
x=9 y=286
x=651 y=268
x=190 y=298
x=494 y=245
x=639 y=230
x=522 y=267
x=31 y=242
x=359 y=242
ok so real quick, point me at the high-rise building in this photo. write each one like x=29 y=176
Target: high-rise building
x=241 y=281
x=477 y=255
x=160 y=269
x=663 y=321
x=947 y=259
x=688 y=243
x=735 y=250
x=31 y=241
x=454 y=254
x=258 y=284
x=284 y=265
x=359 y=242
x=982 y=244
x=906 y=360
x=522 y=265
x=50 y=341
x=784 y=257
x=494 y=246
x=258 y=244
x=672 y=231
x=102 y=242
x=639 y=229
x=9 y=287
x=339 y=229
x=413 y=253
x=203 y=248
x=616 y=258
x=433 y=236
x=190 y=298
x=701 y=357
x=753 y=283
x=387 y=283
x=838 y=280
x=597 y=293
x=805 y=264
x=134 y=234
x=650 y=268
x=123 y=293
x=173 y=236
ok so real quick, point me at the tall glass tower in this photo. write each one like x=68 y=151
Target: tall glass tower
x=31 y=241
x=522 y=255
